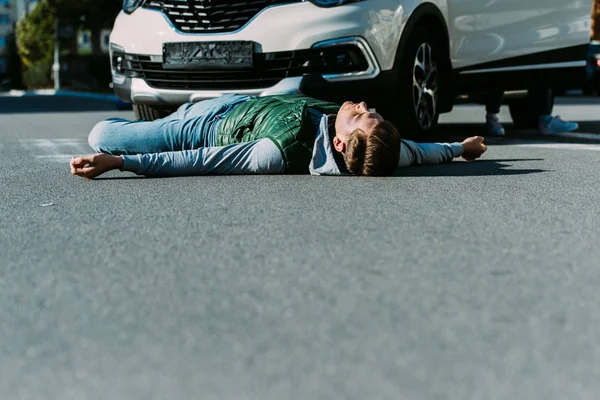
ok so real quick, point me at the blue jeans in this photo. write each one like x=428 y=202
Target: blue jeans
x=192 y=126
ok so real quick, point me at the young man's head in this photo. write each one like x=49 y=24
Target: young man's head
x=370 y=145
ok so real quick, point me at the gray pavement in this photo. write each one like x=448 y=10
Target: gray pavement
x=462 y=281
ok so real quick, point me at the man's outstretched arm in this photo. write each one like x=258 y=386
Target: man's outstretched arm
x=258 y=157
x=412 y=153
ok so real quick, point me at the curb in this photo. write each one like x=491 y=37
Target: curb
x=52 y=92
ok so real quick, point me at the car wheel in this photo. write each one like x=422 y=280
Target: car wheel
x=148 y=113
x=523 y=113
x=420 y=72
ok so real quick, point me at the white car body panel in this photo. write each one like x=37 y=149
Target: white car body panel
x=488 y=30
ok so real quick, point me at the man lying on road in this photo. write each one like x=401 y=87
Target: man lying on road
x=236 y=134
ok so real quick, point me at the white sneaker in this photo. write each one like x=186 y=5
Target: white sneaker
x=552 y=125
x=493 y=126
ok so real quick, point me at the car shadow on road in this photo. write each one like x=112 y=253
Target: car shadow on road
x=52 y=104
x=476 y=168
x=458 y=132
x=125 y=178
x=576 y=100
x=589 y=126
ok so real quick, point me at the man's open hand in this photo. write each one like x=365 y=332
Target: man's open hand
x=473 y=148
x=93 y=165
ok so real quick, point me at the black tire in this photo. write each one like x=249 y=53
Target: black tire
x=416 y=110
x=523 y=113
x=148 y=113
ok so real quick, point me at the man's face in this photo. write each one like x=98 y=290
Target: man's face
x=350 y=117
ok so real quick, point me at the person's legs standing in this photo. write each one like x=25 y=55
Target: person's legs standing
x=492 y=108
x=543 y=103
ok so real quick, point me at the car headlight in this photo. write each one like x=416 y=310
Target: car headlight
x=130 y=6
x=332 y=3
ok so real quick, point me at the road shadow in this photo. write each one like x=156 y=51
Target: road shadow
x=588 y=121
x=127 y=178
x=458 y=130
x=451 y=132
x=589 y=126
x=51 y=104
x=577 y=100
x=476 y=168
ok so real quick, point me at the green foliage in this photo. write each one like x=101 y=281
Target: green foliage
x=35 y=42
x=35 y=35
x=37 y=75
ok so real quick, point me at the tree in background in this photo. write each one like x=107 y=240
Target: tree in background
x=35 y=42
x=36 y=35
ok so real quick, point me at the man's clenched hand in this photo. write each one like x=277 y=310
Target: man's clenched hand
x=473 y=148
x=93 y=165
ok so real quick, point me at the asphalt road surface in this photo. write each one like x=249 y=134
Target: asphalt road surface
x=462 y=281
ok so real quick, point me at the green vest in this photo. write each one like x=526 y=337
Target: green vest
x=282 y=118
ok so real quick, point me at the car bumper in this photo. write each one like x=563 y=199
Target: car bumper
x=136 y=90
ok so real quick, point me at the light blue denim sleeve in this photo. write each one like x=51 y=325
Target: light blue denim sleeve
x=412 y=153
x=256 y=157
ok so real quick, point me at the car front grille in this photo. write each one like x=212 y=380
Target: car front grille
x=211 y=16
x=268 y=69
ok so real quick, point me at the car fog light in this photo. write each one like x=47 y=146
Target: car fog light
x=119 y=64
x=342 y=60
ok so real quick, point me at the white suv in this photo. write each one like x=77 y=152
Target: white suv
x=410 y=59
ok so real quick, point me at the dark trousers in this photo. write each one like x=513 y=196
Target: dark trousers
x=541 y=100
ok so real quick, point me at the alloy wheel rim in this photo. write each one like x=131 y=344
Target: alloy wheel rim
x=425 y=87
